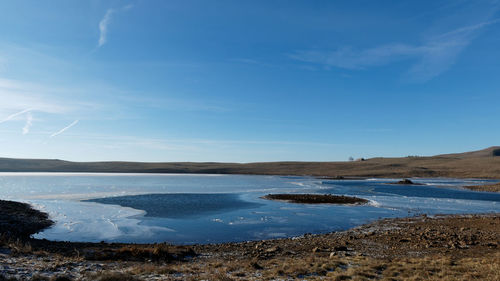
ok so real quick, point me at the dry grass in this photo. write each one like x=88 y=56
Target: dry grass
x=37 y=277
x=112 y=276
x=363 y=268
x=443 y=268
x=153 y=252
x=336 y=268
x=19 y=247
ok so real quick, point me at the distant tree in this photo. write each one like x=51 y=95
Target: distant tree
x=351 y=158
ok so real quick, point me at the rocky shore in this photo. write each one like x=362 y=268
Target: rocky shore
x=423 y=248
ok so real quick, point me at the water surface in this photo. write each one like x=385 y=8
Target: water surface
x=186 y=209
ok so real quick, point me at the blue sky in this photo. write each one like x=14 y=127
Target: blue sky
x=245 y=81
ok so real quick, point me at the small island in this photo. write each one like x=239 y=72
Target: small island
x=316 y=198
x=405 y=182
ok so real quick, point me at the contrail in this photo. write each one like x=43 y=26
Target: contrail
x=64 y=129
x=15 y=115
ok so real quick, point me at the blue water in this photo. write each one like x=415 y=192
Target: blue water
x=187 y=209
x=180 y=205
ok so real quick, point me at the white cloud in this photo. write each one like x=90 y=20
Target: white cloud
x=103 y=27
x=433 y=57
x=64 y=129
x=29 y=123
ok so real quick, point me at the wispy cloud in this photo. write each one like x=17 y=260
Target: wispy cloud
x=348 y=58
x=441 y=52
x=433 y=57
x=28 y=124
x=14 y=115
x=105 y=21
x=103 y=27
x=64 y=129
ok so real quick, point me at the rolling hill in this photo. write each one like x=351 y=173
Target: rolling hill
x=480 y=164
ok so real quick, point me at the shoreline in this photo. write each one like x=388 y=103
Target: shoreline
x=383 y=243
x=495 y=187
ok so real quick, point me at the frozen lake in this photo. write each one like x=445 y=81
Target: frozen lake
x=185 y=209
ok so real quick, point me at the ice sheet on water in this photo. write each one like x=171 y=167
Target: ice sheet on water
x=419 y=205
x=85 y=221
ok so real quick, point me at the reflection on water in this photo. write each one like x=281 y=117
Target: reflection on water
x=188 y=209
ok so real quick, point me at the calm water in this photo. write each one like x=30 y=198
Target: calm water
x=187 y=209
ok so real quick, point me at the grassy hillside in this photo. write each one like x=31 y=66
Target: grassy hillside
x=484 y=164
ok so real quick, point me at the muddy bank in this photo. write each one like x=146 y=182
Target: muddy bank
x=316 y=198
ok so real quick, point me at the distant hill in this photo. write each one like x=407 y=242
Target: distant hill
x=481 y=164
x=488 y=152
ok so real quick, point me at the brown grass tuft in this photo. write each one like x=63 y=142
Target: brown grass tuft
x=113 y=276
